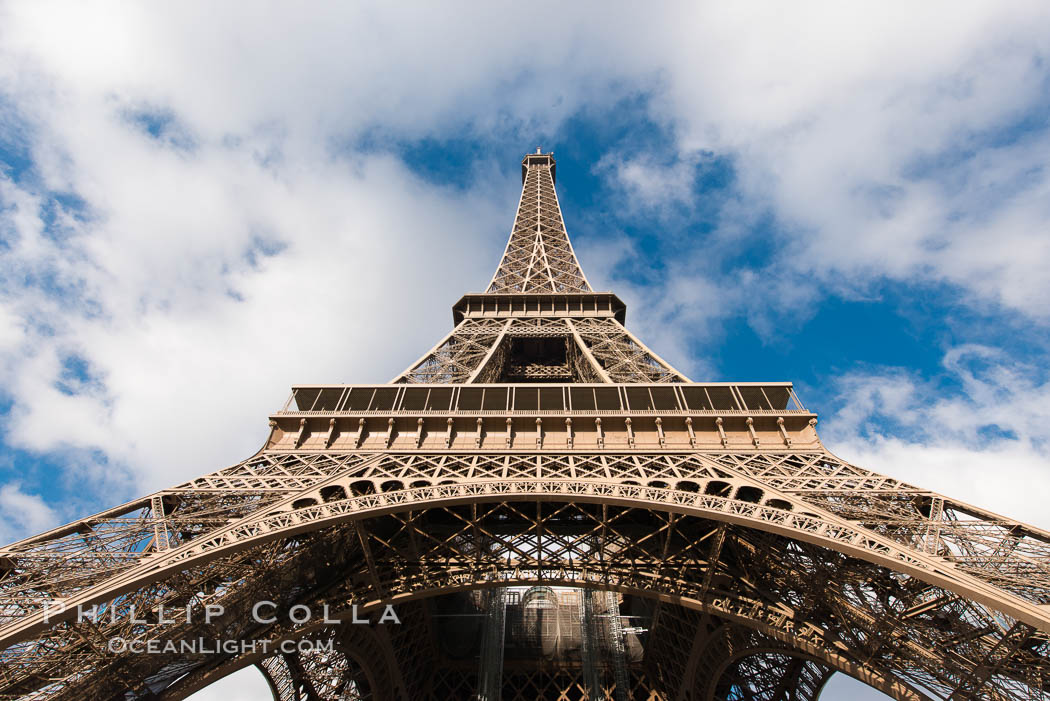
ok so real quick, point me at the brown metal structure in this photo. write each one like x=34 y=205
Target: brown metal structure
x=554 y=512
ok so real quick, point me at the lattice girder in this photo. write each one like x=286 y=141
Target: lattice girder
x=516 y=477
x=741 y=663
x=973 y=546
x=743 y=608
x=539 y=257
x=316 y=673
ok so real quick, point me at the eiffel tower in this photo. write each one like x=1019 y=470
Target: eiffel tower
x=549 y=510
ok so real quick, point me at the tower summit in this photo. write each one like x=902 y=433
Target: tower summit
x=539 y=320
x=539 y=257
x=548 y=510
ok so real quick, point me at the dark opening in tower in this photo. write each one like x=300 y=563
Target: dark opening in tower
x=537 y=360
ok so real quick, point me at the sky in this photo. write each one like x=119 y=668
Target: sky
x=204 y=203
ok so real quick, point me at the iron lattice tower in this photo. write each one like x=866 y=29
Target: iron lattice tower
x=555 y=513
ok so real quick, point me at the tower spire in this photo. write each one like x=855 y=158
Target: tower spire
x=539 y=257
x=539 y=320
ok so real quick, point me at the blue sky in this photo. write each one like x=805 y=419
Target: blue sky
x=200 y=206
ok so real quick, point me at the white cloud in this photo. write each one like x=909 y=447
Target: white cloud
x=192 y=344
x=23 y=514
x=985 y=445
x=197 y=286
x=652 y=186
x=247 y=684
x=888 y=141
x=1009 y=479
x=11 y=331
x=190 y=331
x=843 y=688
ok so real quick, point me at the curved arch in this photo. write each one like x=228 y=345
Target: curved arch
x=292 y=517
x=511 y=559
x=737 y=615
x=773 y=617
x=338 y=675
x=763 y=619
x=824 y=529
x=769 y=673
x=731 y=645
x=286 y=672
